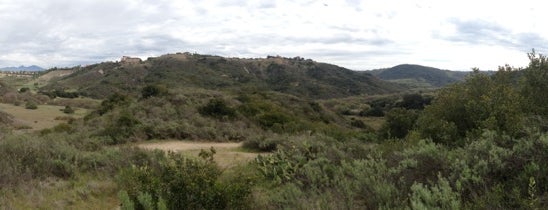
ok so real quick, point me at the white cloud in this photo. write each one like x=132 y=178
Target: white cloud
x=352 y=33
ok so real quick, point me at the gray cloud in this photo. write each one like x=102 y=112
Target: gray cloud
x=351 y=33
x=479 y=32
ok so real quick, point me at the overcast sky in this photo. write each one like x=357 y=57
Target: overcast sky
x=359 y=35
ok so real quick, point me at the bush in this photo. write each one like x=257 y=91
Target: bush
x=375 y=111
x=122 y=128
x=264 y=144
x=398 y=123
x=269 y=120
x=154 y=91
x=217 y=108
x=113 y=101
x=68 y=110
x=184 y=184
x=414 y=101
x=31 y=105
x=24 y=89
x=481 y=102
x=438 y=196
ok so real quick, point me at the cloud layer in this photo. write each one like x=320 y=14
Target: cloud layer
x=354 y=34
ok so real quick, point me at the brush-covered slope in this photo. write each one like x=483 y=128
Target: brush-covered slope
x=417 y=75
x=296 y=76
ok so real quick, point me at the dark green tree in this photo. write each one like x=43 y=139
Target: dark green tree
x=217 y=108
x=113 y=101
x=398 y=123
x=414 y=101
x=535 y=85
x=154 y=91
x=481 y=102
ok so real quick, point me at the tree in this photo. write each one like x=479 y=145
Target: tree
x=217 y=108
x=414 y=101
x=535 y=85
x=154 y=91
x=480 y=102
x=398 y=123
x=113 y=101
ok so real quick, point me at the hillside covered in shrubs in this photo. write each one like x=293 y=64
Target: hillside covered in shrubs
x=295 y=76
x=477 y=144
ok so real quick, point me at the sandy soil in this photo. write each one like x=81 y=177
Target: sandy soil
x=177 y=146
x=227 y=154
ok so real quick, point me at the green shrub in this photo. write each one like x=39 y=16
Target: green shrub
x=217 y=108
x=375 y=111
x=31 y=105
x=113 y=101
x=123 y=127
x=414 y=101
x=270 y=119
x=68 y=110
x=398 y=123
x=437 y=196
x=184 y=184
x=24 y=89
x=154 y=91
x=126 y=203
x=264 y=144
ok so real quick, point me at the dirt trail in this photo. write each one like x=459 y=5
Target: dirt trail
x=178 y=146
x=227 y=154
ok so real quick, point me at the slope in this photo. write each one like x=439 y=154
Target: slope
x=420 y=76
x=296 y=76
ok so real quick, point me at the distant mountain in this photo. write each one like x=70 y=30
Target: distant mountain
x=296 y=76
x=23 y=68
x=419 y=76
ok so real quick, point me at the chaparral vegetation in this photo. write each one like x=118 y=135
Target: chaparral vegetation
x=312 y=136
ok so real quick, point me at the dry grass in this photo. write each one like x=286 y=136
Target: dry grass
x=44 y=79
x=227 y=154
x=83 y=193
x=375 y=122
x=43 y=117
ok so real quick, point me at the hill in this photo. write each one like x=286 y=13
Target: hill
x=22 y=68
x=296 y=76
x=419 y=76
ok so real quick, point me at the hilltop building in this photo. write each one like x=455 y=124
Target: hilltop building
x=127 y=59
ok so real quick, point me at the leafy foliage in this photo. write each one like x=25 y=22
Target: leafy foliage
x=398 y=123
x=154 y=91
x=217 y=108
x=295 y=76
x=479 y=144
x=113 y=101
x=481 y=102
x=31 y=105
x=68 y=110
x=182 y=183
x=534 y=86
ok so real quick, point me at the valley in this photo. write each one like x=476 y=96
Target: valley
x=191 y=131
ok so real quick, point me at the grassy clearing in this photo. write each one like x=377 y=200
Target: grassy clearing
x=227 y=154
x=46 y=78
x=375 y=122
x=46 y=116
